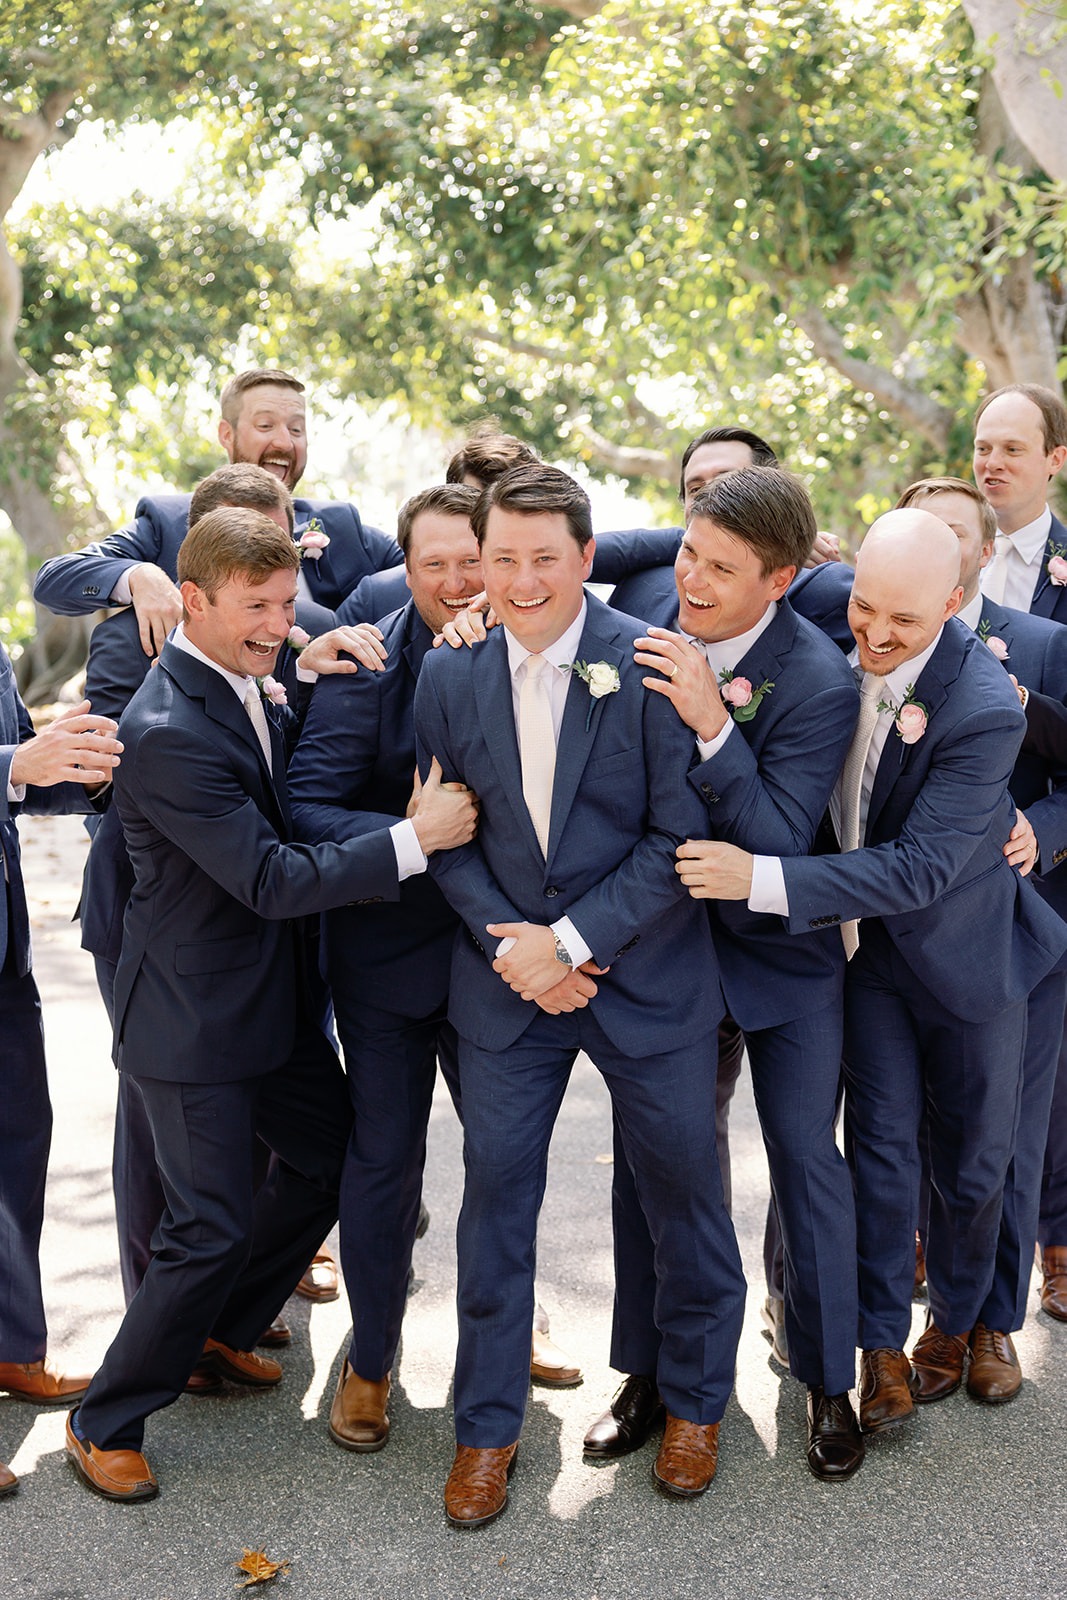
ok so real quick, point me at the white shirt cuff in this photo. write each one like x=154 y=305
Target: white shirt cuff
x=410 y=860
x=120 y=594
x=768 y=887
x=711 y=747
x=569 y=936
x=305 y=675
x=16 y=793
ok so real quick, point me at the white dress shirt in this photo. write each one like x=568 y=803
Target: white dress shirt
x=560 y=656
x=1022 y=561
x=410 y=860
x=768 y=892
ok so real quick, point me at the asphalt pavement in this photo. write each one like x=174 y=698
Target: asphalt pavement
x=964 y=1502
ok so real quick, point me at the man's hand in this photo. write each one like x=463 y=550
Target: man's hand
x=77 y=748
x=445 y=815
x=468 y=627
x=687 y=681
x=827 y=547
x=1022 y=847
x=157 y=602
x=416 y=791
x=714 y=871
x=573 y=992
x=529 y=965
x=362 y=640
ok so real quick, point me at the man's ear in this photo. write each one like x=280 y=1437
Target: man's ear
x=226 y=436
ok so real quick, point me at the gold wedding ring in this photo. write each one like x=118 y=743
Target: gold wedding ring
x=673 y=673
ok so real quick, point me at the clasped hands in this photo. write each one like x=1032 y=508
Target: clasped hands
x=530 y=967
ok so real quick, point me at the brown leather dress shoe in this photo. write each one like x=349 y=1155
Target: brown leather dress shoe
x=358 y=1419
x=937 y=1360
x=549 y=1366
x=884 y=1389
x=243 y=1366
x=1054 y=1284
x=116 y=1474
x=687 y=1457
x=40 y=1382
x=995 y=1374
x=635 y=1411
x=320 y=1282
x=835 y=1443
x=204 y=1378
x=277 y=1335
x=8 y=1481
x=477 y=1487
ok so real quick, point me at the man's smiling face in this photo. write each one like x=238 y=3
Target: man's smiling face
x=245 y=625
x=270 y=432
x=534 y=569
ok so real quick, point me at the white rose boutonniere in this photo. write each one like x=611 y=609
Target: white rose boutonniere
x=600 y=677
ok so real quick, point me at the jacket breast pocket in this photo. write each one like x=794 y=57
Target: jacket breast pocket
x=216 y=955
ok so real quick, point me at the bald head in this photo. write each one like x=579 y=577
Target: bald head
x=907 y=584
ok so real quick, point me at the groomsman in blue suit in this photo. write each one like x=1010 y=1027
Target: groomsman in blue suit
x=1034 y=650
x=213 y=1019
x=951 y=942
x=772 y=704
x=263 y=422
x=59 y=770
x=1020 y=447
x=574 y=938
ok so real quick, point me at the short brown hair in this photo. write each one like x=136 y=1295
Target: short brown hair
x=231 y=541
x=927 y=488
x=240 y=484
x=532 y=489
x=768 y=508
x=487 y=454
x=762 y=454
x=230 y=400
x=1051 y=406
x=450 y=499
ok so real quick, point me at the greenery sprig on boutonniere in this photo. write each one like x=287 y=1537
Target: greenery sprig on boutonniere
x=313 y=540
x=988 y=637
x=273 y=691
x=600 y=677
x=909 y=718
x=741 y=699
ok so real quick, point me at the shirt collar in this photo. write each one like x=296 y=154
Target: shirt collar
x=1030 y=541
x=971 y=613
x=560 y=653
x=237 y=681
x=897 y=683
x=724 y=654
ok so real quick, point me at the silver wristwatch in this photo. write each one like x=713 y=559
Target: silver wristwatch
x=562 y=953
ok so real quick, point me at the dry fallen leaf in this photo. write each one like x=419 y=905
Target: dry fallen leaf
x=259 y=1567
x=604 y=1160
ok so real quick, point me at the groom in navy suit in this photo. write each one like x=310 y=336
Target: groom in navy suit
x=951 y=942
x=574 y=938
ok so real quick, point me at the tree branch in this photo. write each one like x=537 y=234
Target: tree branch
x=1029 y=54
x=628 y=461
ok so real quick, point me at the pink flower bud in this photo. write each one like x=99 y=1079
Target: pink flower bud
x=1057 y=571
x=298 y=638
x=275 y=692
x=911 y=723
x=738 y=692
x=998 y=647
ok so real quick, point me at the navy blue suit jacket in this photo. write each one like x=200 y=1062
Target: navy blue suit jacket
x=208 y=978
x=1050 y=599
x=352 y=772
x=84 y=580
x=377 y=595
x=977 y=935
x=15 y=729
x=766 y=791
x=621 y=805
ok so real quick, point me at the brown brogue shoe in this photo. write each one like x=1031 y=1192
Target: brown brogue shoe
x=276 y=1336
x=937 y=1361
x=243 y=1366
x=687 y=1457
x=204 y=1378
x=40 y=1382
x=884 y=1389
x=549 y=1366
x=1054 y=1281
x=477 y=1487
x=358 y=1418
x=995 y=1374
x=8 y=1481
x=320 y=1282
x=116 y=1474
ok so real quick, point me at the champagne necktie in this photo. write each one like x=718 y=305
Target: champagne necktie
x=257 y=716
x=537 y=746
x=852 y=785
x=996 y=576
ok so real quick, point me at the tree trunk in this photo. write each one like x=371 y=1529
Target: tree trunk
x=1029 y=52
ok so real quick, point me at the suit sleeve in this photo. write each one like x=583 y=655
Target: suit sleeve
x=772 y=805
x=50 y=800
x=1046 y=725
x=185 y=786
x=950 y=817
x=76 y=584
x=334 y=761
x=619 y=555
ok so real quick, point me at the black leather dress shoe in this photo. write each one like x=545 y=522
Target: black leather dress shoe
x=835 y=1443
x=634 y=1413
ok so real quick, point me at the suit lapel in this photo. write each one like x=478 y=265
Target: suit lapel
x=223 y=707
x=582 y=716
x=763 y=663
x=1043 y=602
x=931 y=690
x=496 y=716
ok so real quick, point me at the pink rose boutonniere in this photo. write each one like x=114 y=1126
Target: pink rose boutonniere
x=313 y=541
x=1057 y=567
x=909 y=718
x=298 y=639
x=273 y=691
x=738 y=693
x=998 y=647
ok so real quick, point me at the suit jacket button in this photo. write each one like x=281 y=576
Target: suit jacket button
x=551 y=892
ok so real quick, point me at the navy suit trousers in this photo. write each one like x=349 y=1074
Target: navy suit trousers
x=1052 y=1228
x=391 y=1063
x=665 y=1106
x=25 y=1139
x=905 y=1058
